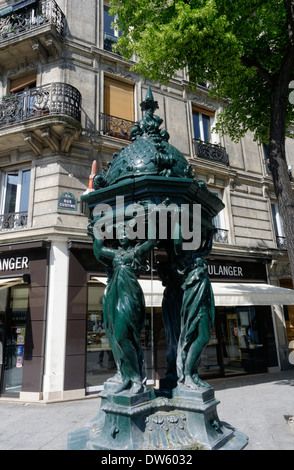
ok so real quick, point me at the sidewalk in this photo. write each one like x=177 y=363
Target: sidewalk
x=256 y=405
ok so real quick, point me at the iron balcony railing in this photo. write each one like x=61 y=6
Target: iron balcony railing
x=25 y=19
x=212 y=152
x=13 y=221
x=51 y=99
x=109 y=41
x=116 y=127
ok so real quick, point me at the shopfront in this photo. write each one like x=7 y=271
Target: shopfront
x=243 y=340
x=23 y=285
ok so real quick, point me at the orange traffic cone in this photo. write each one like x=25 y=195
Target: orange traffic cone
x=91 y=177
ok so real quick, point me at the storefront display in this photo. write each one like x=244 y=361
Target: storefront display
x=23 y=283
x=100 y=362
x=15 y=324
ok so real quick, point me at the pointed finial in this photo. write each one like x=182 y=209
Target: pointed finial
x=149 y=102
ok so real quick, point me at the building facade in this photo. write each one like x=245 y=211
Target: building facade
x=66 y=100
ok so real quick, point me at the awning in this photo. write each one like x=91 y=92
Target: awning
x=153 y=291
x=11 y=281
x=230 y=294
x=225 y=294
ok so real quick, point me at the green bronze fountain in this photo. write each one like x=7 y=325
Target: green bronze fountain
x=146 y=200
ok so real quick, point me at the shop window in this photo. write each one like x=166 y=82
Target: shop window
x=118 y=116
x=242 y=342
x=288 y=311
x=202 y=124
x=14 y=316
x=100 y=364
x=15 y=199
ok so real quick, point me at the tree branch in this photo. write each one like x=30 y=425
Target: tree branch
x=260 y=70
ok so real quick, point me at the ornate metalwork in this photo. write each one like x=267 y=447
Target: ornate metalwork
x=54 y=98
x=281 y=243
x=13 y=221
x=211 y=152
x=221 y=236
x=116 y=127
x=45 y=12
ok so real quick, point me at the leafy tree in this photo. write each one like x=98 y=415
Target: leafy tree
x=244 y=48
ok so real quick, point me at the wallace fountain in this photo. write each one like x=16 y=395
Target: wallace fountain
x=148 y=199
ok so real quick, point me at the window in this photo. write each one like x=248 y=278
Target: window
x=221 y=235
x=23 y=83
x=118 y=99
x=202 y=123
x=15 y=199
x=278 y=227
x=266 y=158
x=118 y=117
x=110 y=35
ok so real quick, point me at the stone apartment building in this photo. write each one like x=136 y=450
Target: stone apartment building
x=66 y=100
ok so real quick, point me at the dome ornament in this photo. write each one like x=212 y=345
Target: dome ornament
x=150 y=123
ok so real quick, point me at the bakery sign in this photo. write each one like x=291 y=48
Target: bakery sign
x=236 y=270
x=18 y=263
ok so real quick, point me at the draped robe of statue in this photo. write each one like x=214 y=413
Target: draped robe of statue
x=197 y=316
x=124 y=310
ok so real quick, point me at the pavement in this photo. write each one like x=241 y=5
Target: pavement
x=260 y=406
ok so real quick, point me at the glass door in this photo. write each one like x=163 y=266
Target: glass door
x=14 y=338
x=210 y=362
x=242 y=340
x=100 y=362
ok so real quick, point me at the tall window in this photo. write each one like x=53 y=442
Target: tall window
x=110 y=35
x=221 y=235
x=15 y=198
x=266 y=158
x=118 y=99
x=278 y=226
x=202 y=123
x=118 y=117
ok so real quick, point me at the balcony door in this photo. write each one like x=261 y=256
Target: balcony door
x=202 y=124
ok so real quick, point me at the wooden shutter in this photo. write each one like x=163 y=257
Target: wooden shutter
x=118 y=99
x=23 y=82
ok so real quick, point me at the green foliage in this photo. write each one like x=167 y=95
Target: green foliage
x=239 y=46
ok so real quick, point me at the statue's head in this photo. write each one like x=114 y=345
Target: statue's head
x=121 y=236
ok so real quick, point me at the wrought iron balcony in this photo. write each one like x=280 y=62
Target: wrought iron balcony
x=13 y=221
x=116 y=127
x=51 y=99
x=221 y=236
x=20 y=17
x=211 y=152
x=281 y=243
